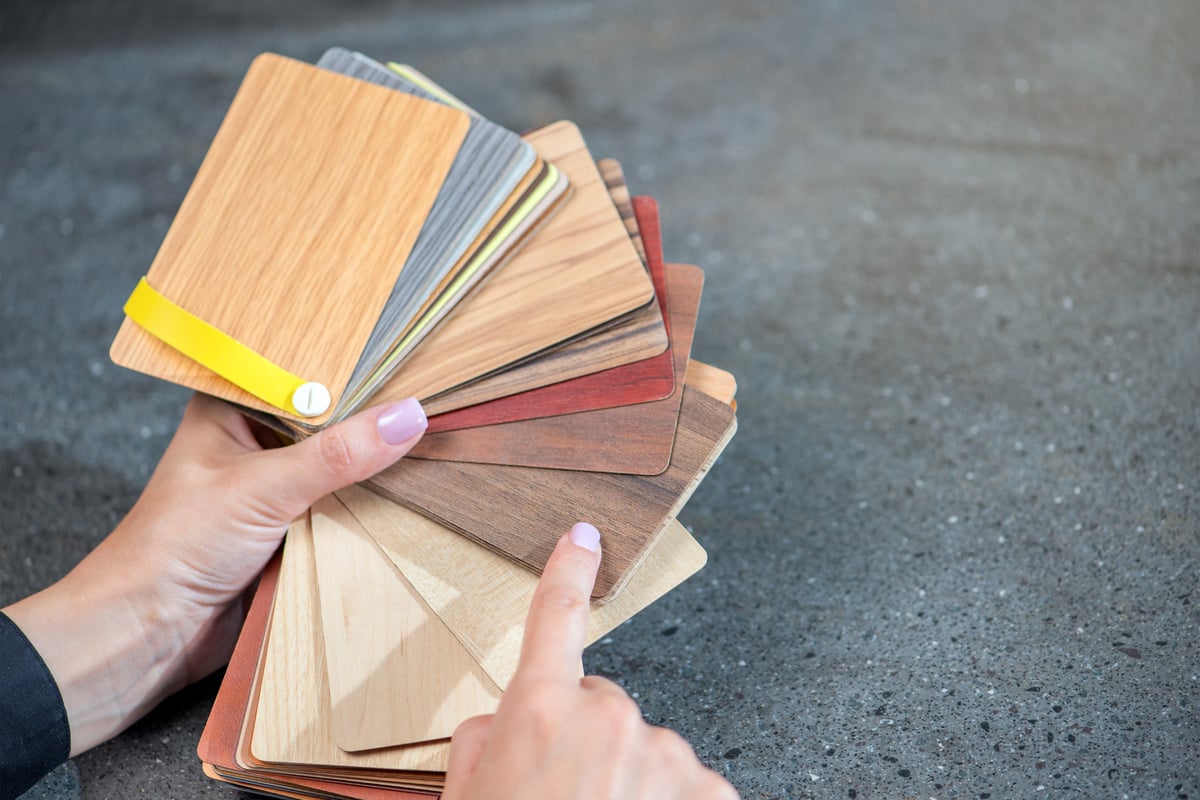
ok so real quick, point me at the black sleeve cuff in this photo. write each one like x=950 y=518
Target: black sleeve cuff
x=35 y=736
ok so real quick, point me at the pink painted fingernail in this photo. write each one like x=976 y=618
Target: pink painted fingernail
x=585 y=535
x=401 y=421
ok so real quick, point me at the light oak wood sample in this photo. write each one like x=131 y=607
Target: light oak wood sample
x=483 y=598
x=293 y=722
x=521 y=511
x=397 y=675
x=563 y=363
x=578 y=272
x=482 y=178
x=714 y=382
x=259 y=247
x=634 y=439
x=218 y=743
x=573 y=383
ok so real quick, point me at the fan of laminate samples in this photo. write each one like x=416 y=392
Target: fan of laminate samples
x=357 y=235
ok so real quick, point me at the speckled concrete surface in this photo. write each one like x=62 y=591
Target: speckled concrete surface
x=951 y=256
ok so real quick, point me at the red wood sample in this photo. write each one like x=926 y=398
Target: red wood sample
x=634 y=439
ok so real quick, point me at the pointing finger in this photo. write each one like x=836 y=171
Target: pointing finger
x=556 y=628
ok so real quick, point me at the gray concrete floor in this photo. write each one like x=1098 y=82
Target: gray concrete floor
x=951 y=256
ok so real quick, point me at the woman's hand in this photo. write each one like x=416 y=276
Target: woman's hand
x=158 y=604
x=559 y=735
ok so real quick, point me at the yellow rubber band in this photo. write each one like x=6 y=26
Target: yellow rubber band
x=212 y=348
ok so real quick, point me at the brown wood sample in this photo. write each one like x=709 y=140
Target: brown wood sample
x=397 y=675
x=483 y=598
x=578 y=272
x=574 y=383
x=632 y=439
x=259 y=246
x=521 y=512
x=614 y=179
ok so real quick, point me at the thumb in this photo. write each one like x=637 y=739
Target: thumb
x=466 y=749
x=287 y=480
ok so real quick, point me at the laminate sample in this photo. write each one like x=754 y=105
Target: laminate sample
x=580 y=271
x=257 y=245
x=292 y=725
x=635 y=439
x=483 y=598
x=218 y=743
x=397 y=675
x=521 y=511
x=565 y=381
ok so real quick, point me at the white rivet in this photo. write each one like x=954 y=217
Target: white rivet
x=311 y=399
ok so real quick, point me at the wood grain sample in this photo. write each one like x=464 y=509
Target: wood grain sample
x=490 y=163
x=259 y=242
x=218 y=743
x=292 y=725
x=573 y=383
x=523 y=219
x=712 y=381
x=520 y=512
x=633 y=439
x=397 y=675
x=578 y=272
x=614 y=179
x=562 y=363
x=483 y=598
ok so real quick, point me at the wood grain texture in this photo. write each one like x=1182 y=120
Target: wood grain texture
x=614 y=179
x=523 y=221
x=714 y=382
x=578 y=272
x=633 y=439
x=521 y=511
x=259 y=246
x=575 y=383
x=484 y=175
x=272 y=785
x=561 y=363
x=218 y=743
x=293 y=722
x=483 y=598
x=397 y=675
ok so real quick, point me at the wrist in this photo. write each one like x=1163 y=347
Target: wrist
x=108 y=644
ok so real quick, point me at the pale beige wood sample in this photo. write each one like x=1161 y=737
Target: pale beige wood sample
x=711 y=380
x=293 y=721
x=293 y=232
x=580 y=271
x=397 y=675
x=483 y=598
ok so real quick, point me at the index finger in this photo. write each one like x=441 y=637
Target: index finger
x=556 y=628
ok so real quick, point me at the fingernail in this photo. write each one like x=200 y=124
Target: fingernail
x=401 y=421
x=585 y=535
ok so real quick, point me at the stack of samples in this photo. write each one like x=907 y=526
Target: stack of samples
x=357 y=235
